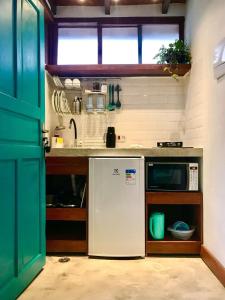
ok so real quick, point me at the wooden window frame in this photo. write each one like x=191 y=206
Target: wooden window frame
x=100 y=23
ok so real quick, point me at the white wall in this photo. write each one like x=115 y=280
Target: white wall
x=205 y=115
x=152 y=110
x=152 y=10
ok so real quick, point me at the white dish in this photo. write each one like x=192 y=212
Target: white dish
x=62 y=102
x=58 y=102
x=53 y=100
x=182 y=234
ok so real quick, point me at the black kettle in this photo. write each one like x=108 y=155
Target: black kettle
x=111 y=138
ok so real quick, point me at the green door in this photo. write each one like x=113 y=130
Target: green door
x=22 y=186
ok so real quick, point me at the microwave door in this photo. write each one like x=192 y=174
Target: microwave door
x=167 y=177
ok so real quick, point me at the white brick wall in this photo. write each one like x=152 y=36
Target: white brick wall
x=205 y=115
x=152 y=110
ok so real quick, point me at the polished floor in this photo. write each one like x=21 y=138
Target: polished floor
x=153 y=278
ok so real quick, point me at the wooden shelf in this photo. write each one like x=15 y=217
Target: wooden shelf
x=66 y=214
x=173 y=247
x=174 y=198
x=114 y=70
x=67 y=246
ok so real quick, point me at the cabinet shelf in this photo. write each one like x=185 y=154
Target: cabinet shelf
x=185 y=206
x=66 y=228
x=114 y=70
x=174 y=198
x=173 y=247
x=76 y=246
x=66 y=214
x=66 y=236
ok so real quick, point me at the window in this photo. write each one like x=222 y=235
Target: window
x=153 y=37
x=77 y=46
x=119 y=46
x=115 y=40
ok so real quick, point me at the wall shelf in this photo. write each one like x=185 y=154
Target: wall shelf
x=174 y=198
x=114 y=70
x=173 y=247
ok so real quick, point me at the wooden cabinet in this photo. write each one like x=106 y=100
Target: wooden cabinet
x=185 y=206
x=66 y=228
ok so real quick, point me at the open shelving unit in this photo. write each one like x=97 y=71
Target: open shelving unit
x=186 y=206
x=66 y=228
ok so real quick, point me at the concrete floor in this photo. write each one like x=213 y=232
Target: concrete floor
x=153 y=278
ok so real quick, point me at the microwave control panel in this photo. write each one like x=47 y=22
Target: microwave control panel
x=193 y=177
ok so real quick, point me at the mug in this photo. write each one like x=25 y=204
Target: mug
x=89 y=104
x=100 y=102
x=157 y=225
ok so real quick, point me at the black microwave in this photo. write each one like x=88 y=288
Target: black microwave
x=174 y=176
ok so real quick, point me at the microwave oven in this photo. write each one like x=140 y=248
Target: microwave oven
x=172 y=176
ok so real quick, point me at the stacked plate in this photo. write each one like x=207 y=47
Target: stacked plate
x=60 y=103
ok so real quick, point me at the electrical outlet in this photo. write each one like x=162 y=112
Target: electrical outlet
x=120 y=138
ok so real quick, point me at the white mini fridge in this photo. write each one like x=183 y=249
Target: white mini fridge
x=116 y=226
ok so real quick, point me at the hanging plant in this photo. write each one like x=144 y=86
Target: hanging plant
x=176 y=53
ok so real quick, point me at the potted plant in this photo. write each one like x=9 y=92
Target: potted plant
x=176 y=53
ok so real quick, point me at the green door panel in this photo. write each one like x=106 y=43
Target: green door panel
x=30 y=56
x=30 y=211
x=7 y=228
x=30 y=133
x=22 y=177
x=7 y=42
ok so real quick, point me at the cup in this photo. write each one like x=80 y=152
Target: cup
x=100 y=103
x=76 y=83
x=89 y=104
x=68 y=83
x=157 y=225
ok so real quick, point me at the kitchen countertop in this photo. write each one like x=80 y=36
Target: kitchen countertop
x=180 y=152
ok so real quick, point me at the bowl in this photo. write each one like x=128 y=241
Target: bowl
x=180 y=225
x=182 y=234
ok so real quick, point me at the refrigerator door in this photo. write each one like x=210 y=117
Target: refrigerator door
x=116 y=207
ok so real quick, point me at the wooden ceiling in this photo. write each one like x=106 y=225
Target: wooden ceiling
x=108 y=3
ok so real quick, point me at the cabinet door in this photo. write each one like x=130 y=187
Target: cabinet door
x=22 y=197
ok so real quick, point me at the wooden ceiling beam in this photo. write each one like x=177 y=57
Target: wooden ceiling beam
x=107 y=6
x=165 y=6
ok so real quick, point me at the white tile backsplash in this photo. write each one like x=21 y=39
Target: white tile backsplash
x=152 y=110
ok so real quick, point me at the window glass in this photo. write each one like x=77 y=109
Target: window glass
x=154 y=36
x=119 y=46
x=77 y=46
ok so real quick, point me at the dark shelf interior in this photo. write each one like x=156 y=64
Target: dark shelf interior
x=66 y=230
x=187 y=213
x=66 y=189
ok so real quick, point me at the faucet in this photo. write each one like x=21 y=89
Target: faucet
x=72 y=121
